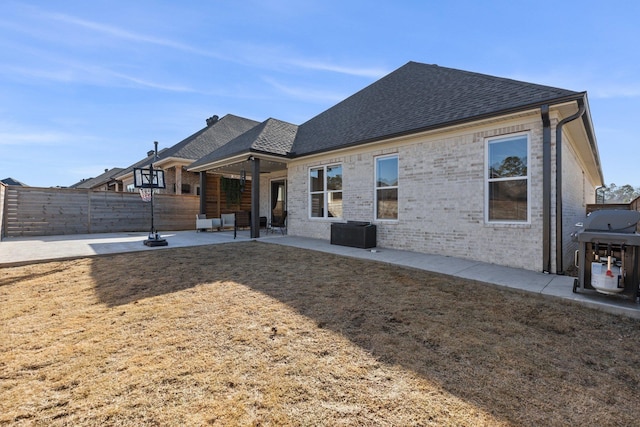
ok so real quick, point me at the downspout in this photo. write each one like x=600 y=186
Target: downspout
x=546 y=189
x=559 y=255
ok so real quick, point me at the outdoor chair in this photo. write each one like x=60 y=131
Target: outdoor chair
x=228 y=221
x=279 y=222
x=204 y=223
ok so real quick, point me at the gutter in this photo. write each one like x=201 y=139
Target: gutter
x=559 y=126
x=546 y=189
x=456 y=122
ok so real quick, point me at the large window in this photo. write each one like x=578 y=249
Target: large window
x=387 y=188
x=508 y=179
x=325 y=191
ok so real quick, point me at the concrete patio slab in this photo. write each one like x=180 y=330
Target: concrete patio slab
x=17 y=251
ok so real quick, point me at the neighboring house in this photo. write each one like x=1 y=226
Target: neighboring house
x=175 y=159
x=11 y=181
x=103 y=182
x=125 y=177
x=443 y=161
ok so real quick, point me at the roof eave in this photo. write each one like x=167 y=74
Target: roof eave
x=238 y=156
x=452 y=123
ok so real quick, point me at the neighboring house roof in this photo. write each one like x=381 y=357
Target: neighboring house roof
x=215 y=135
x=11 y=181
x=140 y=164
x=272 y=136
x=106 y=177
x=418 y=97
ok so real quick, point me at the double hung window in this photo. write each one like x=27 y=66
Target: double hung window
x=386 y=203
x=325 y=191
x=507 y=193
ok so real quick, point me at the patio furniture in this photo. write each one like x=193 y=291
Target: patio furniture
x=279 y=222
x=228 y=221
x=357 y=234
x=204 y=223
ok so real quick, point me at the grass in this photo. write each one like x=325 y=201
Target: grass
x=257 y=334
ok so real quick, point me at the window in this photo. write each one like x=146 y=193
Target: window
x=325 y=191
x=387 y=188
x=508 y=179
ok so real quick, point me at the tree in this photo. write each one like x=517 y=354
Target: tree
x=623 y=194
x=510 y=166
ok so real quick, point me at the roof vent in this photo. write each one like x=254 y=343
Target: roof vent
x=150 y=153
x=212 y=120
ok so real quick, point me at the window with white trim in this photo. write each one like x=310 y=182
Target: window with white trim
x=325 y=192
x=386 y=193
x=507 y=171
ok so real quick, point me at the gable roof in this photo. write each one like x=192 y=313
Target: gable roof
x=418 y=97
x=139 y=164
x=201 y=143
x=104 y=178
x=273 y=137
x=12 y=181
x=216 y=134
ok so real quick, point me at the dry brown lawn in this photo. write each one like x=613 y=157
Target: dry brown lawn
x=258 y=334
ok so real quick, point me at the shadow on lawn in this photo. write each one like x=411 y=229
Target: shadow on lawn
x=522 y=358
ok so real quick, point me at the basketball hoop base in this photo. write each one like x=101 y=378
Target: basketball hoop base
x=155 y=240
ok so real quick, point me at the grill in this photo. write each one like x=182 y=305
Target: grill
x=608 y=258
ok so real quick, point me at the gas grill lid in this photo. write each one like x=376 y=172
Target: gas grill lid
x=612 y=221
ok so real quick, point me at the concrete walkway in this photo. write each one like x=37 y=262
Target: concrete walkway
x=26 y=250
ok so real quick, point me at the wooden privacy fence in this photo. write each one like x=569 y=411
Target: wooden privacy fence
x=32 y=211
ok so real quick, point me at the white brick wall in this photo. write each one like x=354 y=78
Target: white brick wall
x=441 y=196
x=577 y=192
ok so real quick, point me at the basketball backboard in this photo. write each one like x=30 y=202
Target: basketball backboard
x=142 y=178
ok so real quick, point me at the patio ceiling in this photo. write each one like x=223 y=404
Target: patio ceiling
x=234 y=168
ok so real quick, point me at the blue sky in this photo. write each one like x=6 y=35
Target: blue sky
x=89 y=85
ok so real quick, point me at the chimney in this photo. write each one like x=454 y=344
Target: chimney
x=212 y=120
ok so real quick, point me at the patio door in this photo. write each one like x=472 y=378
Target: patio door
x=278 y=197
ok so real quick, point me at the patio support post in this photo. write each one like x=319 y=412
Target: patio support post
x=203 y=192
x=255 y=198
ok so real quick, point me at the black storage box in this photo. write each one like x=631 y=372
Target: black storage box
x=357 y=234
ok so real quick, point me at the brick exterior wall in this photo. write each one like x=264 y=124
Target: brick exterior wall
x=191 y=178
x=441 y=196
x=577 y=192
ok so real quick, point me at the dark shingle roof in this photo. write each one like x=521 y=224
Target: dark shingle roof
x=202 y=142
x=210 y=138
x=417 y=97
x=141 y=163
x=271 y=136
x=107 y=176
x=11 y=181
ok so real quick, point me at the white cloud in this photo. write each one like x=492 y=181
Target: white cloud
x=305 y=93
x=33 y=138
x=129 y=35
x=597 y=85
x=375 y=73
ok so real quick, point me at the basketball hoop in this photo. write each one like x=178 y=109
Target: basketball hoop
x=145 y=194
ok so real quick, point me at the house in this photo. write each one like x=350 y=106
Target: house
x=441 y=160
x=173 y=160
x=261 y=150
x=12 y=181
x=103 y=182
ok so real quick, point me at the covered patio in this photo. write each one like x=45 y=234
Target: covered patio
x=248 y=174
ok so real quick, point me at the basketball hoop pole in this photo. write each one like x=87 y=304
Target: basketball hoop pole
x=154 y=239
